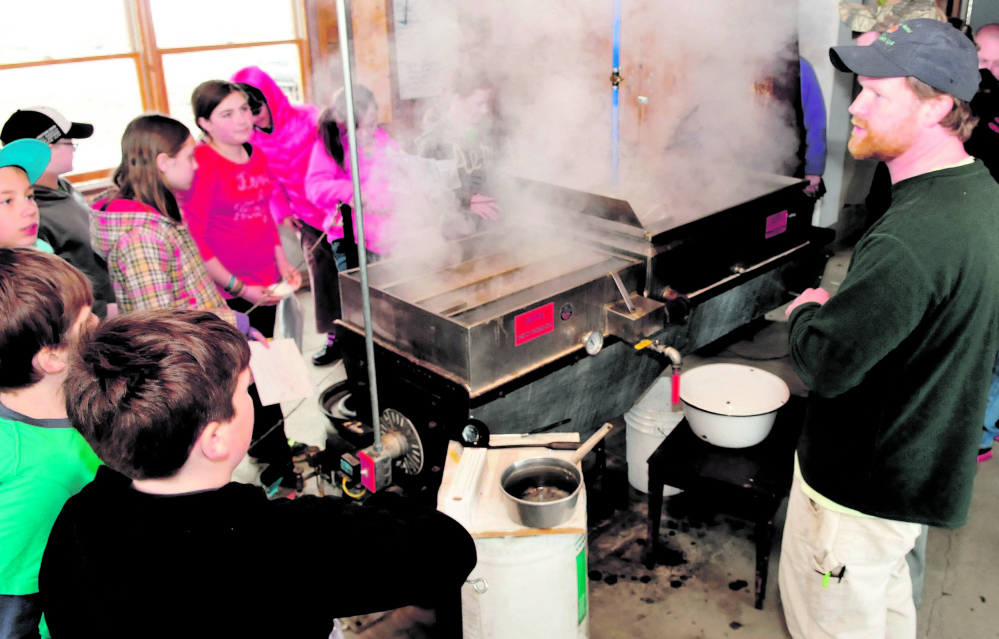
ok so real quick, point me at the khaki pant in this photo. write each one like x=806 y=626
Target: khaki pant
x=871 y=598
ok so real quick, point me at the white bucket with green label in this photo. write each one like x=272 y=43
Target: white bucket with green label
x=526 y=587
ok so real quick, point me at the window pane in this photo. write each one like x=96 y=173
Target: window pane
x=28 y=32
x=103 y=93
x=193 y=23
x=185 y=71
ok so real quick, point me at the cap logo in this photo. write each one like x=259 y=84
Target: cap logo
x=50 y=134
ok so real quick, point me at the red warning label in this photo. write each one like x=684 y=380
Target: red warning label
x=533 y=324
x=776 y=224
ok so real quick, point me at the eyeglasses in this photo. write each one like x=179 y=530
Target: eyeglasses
x=72 y=144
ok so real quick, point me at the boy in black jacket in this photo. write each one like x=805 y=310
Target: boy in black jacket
x=164 y=544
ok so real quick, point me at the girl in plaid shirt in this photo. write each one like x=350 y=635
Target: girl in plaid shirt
x=138 y=229
x=154 y=262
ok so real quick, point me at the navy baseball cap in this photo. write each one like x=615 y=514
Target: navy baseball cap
x=928 y=50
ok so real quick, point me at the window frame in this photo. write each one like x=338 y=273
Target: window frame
x=148 y=59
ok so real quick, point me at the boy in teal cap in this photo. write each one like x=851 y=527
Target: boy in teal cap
x=22 y=162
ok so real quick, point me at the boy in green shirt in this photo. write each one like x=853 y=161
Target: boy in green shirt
x=43 y=460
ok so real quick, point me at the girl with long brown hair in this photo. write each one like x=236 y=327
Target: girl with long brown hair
x=141 y=232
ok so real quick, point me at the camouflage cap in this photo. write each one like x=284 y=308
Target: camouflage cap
x=863 y=19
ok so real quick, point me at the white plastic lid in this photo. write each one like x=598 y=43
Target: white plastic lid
x=733 y=389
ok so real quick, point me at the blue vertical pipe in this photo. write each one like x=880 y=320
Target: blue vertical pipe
x=615 y=92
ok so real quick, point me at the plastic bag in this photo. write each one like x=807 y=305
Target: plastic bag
x=290 y=320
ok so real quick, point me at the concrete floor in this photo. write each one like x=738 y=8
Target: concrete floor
x=709 y=594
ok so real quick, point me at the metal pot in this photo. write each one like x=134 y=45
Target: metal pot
x=731 y=405
x=541 y=491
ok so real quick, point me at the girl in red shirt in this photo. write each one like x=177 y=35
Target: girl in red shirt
x=227 y=211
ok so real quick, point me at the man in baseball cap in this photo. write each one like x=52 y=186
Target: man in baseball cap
x=898 y=362
x=64 y=214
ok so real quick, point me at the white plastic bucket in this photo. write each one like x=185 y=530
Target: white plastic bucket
x=526 y=587
x=649 y=422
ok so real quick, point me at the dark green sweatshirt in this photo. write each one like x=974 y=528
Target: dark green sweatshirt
x=899 y=361
x=65 y=224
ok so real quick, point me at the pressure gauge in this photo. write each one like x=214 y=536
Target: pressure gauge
x=594 y=342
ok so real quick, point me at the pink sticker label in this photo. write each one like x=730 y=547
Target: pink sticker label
x=776 y=224
x=534 y=324
x=367 y=471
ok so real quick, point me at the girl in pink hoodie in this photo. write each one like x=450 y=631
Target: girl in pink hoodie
x=329 y=186
x=286 y=133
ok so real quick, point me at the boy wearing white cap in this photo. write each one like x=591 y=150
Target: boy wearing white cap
x=65 y=216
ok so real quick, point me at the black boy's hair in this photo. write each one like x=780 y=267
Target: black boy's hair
x=41 y=297
x=142 y=387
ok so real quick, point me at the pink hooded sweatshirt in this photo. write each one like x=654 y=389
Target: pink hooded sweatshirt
x=327 y=184
x=286 y=147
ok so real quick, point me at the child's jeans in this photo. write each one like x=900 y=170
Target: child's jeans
x=992 y=410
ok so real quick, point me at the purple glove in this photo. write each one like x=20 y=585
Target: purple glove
x=243 y=324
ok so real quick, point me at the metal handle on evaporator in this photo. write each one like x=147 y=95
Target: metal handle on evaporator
x=624 y=292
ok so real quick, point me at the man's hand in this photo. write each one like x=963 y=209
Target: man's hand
x=485 y=207
x=818 y=295
x=813 y=184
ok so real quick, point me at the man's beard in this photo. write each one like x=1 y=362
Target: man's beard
x=884 y=147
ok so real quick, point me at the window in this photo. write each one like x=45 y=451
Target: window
x=122 y=57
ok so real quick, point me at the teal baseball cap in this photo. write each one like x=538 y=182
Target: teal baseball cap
x=30 y=155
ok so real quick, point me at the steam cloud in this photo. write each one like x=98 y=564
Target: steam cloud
x=709 y=72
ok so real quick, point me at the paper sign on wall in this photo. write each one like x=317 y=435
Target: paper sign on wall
x=426 y=46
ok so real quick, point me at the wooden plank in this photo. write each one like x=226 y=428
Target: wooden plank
x=150 y=62
x=45 y=63
x=371 y=53
x=219 y=47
